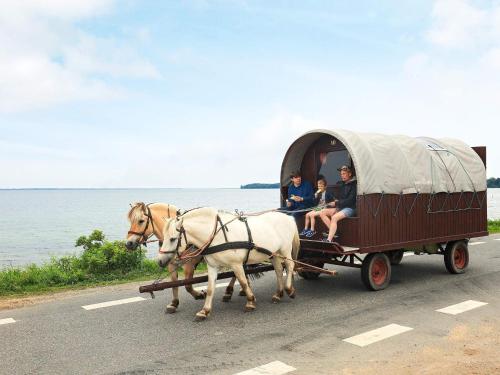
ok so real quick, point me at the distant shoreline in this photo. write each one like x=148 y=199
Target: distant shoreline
x=260 y=186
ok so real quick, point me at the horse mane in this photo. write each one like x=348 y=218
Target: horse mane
x=138 y=209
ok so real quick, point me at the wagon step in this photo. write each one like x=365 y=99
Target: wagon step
x=327 y=247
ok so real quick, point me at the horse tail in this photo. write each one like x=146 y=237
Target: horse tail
x=295 y=243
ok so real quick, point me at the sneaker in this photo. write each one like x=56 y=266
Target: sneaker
x=311 y=233
x=304 y=232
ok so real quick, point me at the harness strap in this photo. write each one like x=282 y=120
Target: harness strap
x=223 y=227
x=236 y=245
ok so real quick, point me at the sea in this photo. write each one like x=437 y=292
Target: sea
x=36 y=224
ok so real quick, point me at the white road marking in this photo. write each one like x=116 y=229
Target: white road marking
x=497 y=239
x=407 y=254
x=113 y=303
x=7 y=321
x=220 y=285
x=461 y=307
x=378 y=334
x=476 y=243
x=273 y=368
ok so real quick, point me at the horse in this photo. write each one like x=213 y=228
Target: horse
x=147 y=220
x=229 y=240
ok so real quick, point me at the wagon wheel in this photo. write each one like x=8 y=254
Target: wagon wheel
x=456 y=257
x=395 y=256
x=309 y=275
x=376 y=271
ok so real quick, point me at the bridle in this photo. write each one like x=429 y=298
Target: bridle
x=143 y=238
x=182 y=233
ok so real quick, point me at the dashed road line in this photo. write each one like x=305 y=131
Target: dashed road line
x=220 y=285
x=461 y=307
x=7 y=321
x=476 y=243
x=113 y=303
x=376 y=335
x=273 y=368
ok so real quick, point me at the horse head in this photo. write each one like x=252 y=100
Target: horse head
x=141 y=225
x=173 y=244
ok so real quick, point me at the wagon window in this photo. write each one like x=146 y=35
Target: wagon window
x=330 y=161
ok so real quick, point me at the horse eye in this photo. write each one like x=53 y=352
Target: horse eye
x=172 y=239
x=141 y=221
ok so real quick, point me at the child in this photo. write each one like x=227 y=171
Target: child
x=321 y=198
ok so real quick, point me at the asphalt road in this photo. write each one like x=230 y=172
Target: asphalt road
x=306 y=334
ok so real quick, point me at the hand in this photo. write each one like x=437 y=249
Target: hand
x=288 y=203
x=297 y=198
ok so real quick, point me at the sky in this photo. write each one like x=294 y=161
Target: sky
x=211 y=93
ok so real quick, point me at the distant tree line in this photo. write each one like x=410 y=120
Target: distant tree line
x=260 y=186
x=493 y=182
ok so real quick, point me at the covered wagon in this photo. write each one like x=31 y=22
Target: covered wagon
x=419 y=194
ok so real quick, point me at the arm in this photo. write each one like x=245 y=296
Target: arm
x=308 y=194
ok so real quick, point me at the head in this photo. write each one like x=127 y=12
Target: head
x=345 y=173
x=174 y=242
x=141 y=226
x=296 y=178
x=321 y=183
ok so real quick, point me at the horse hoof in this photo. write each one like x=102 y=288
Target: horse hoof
x=291 y=293
x=200 y=316
x=276 y=299
x=170 y=309
x=226 y=298
x=242 y=293
x=250 y=308
x=202 y=295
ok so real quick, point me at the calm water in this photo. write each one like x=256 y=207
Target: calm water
x=36 y=224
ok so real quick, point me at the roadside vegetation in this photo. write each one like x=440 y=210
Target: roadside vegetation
x=494 y=226
x=102 y=262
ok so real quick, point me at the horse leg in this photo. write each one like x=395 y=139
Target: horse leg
x=188 y=274
x=172 y=307
x=229 y=291
x=290 y=290
x=240 y=274
x=207 y=307
x=278 y=268
x=242 y=292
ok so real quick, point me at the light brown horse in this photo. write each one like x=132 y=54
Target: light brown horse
x=147 y=220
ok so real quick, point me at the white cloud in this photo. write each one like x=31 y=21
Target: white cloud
x=46 y=58
x=459 y=24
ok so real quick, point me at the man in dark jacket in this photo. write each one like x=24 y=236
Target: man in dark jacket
x=300 y=195
x=343 y=207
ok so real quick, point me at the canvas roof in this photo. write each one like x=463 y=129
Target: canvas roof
x=396 y=164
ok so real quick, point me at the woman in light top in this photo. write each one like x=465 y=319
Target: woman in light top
x=321 y=198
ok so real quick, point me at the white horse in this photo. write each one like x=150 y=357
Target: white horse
x=207 y=229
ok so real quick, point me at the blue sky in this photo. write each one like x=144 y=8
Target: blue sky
x=210 y=93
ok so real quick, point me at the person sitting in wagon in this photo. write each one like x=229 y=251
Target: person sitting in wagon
x=300 y=195
x=343 y=207
x=321 y=198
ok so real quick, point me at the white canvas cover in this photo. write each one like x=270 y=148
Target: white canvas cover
x=396 y=164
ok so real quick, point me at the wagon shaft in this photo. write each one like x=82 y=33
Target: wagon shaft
x=199 y=279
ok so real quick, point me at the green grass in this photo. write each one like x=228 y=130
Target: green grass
x=101 y=263
x=494 y=226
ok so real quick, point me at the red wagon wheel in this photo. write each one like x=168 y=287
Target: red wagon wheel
x=456 y=257
x=376 y=271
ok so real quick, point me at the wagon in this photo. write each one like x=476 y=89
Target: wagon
x=419 y=194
